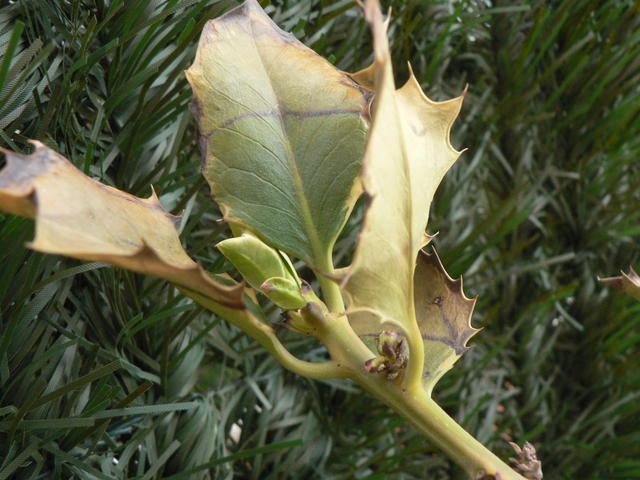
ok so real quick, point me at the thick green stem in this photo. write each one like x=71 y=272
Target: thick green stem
x=332 y=295
x=330 y=289
x=433 y=422
x=413 y=376
x=348 y=357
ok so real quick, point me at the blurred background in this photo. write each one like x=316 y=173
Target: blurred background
x=106 y=374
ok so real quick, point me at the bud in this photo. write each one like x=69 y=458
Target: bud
x=255 y=260
x=394 y=355
x=265 y=269
x=387 y=341
x=375 y=365
x=283 y=292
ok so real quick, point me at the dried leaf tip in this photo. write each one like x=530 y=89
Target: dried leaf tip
x=628 y=283
x=526 y=462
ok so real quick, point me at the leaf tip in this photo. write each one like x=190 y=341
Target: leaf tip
x=628 y=283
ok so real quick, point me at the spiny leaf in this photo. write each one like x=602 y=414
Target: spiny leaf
x=628 y=283
x=407 y=154
x=282 y=133
x=81 y=218
x=444 y=317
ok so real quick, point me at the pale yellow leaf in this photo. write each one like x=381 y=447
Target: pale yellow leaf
x=408 y=152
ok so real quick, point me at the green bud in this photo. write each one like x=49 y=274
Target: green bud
x=284 y=292
x=256 y=261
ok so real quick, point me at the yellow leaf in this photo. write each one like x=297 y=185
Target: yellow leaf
x=79 y=217
x=407 y=154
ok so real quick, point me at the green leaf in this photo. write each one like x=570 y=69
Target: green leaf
x=282 y=133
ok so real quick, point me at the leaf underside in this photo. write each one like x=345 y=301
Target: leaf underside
x=282 y=133
x=82 y=218
x=444 y=314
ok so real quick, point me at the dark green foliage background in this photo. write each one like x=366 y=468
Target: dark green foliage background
x=105 y=374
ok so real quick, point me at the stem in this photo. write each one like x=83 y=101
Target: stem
x=330 y=289
x=332 y=294
x=317 y=370
x=413 y=377
x=413 y=404
x=433 y=422
x=265 y=335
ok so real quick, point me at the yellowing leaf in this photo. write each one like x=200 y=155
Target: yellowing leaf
x=628 y=283
x=407 y=154
x=444 y=317
x=282 y=132
x=81 y=218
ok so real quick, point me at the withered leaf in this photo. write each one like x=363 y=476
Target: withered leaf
x=628 y=283
x=444 y=317
x=82 y=218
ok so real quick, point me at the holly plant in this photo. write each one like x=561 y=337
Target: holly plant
x=289 y=144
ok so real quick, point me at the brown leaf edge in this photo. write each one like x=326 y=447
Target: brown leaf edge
x=457 y=340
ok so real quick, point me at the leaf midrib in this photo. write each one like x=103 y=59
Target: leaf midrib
x=320 y=255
